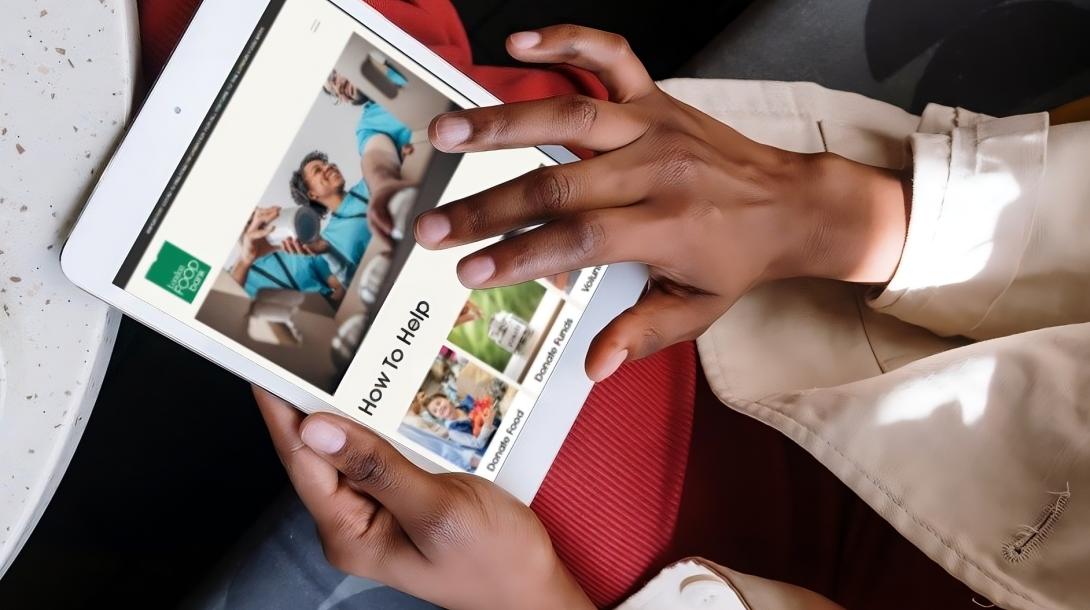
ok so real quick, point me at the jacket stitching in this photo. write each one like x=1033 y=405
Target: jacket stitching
x=892 y=498
x=1031 y=538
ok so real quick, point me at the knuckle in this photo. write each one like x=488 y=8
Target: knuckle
x=356 y=545
x=570 y=34
x=619 y=46
x=550 y=189
x=346 y=525
x=379 y=544
x=641 y=329
x=577 y=114
x=474 y=219
x=587 y=235
x=369 y=468
x=497 y=127
x=340 y=540
x=652 y=339
x=523 y=259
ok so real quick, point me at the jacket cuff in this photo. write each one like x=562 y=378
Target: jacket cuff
x=687 y=584
x=973 y=202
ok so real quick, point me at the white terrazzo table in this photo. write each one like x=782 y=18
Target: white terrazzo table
x=67 y=69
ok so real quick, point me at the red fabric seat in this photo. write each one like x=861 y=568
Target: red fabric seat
x=612 y=497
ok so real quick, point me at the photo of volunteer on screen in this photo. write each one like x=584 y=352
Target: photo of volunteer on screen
x=324 y=243
x=325 y=261
x=355 y=214
x=263 y=265
x=457 y=410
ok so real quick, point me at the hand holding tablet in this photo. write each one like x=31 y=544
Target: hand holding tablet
x=454 y=540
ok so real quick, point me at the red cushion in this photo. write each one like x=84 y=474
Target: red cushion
x=611 y=499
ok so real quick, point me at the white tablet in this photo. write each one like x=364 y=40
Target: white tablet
x=256 y=139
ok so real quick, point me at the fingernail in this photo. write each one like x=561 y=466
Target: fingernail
x=610 y=366
x=450 y=131
x=525 y=40
x=323 y=437
x=432 y=228
x=477 y=271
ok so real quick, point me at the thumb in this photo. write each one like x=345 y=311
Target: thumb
x=372 y=466
x=658 y=320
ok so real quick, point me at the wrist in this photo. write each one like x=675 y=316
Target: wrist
x=856 y=220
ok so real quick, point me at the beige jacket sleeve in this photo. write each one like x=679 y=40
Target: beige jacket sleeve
x=998 y=235
x=978 y=453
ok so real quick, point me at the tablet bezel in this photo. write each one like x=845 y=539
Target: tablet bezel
x=156 y=142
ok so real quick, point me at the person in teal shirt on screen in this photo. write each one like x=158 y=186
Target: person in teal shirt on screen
x=347 y=232
x=355 y=214
x=262 y=266
x=284 y=271
x=376 y=120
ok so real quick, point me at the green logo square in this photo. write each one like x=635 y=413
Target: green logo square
x=178 y=272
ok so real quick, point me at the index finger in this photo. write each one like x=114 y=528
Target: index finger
x=311 y=476
x=356 y=534
x=569 y=120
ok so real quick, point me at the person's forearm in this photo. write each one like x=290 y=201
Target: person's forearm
x=240 y=271
x=381 y=163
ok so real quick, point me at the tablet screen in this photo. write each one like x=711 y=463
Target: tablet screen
x=286 y=234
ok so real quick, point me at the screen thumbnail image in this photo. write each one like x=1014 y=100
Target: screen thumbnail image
x=505 y=327
x=457 y=409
